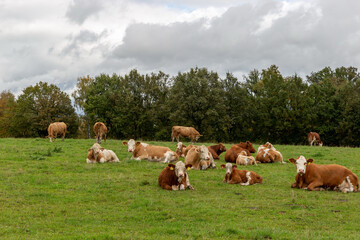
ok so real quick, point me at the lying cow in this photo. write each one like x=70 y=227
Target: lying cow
x=180 y=149
x=144 y=151
x=244 y=159
x=232 y=154
x=200 y=158
x=216 y=150
x=175 y=177
x=315 y=177
x=190 y=146
x=56 y=128
x=242 y=177
x=314 y=139
x=189 y=132
x=97 y=154
x=268 y=154
x=100 y=130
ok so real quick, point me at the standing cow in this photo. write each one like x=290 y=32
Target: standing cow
x=100 y=130
x=314 y=139
x=189 y=132
x=56 y=128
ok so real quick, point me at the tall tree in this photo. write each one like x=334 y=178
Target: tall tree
x=7 y=109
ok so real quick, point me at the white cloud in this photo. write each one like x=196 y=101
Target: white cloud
x=58 y=41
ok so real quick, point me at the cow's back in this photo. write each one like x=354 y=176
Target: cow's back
x=233 y=152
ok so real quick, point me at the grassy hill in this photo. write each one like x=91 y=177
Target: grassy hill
x=47 y=191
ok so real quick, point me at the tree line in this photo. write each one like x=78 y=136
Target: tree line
x=262 y=106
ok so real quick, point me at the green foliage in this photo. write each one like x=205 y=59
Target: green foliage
x=40 y=105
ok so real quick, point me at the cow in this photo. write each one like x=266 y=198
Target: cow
x=56 y=128
x=233 y=152
x=268 y=154
x=316 y=177
x=144 y=151
x=242 y=177
x=187 y=149
x=314 y=139
x=97 y=154
x=216 y=150
x=180 y=149
x=100 y=130
x=175 y=177
x=189 y=132
x=200 y=158
x=244 y=159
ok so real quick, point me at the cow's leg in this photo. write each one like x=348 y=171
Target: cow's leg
x=315 y=186
x=188 y=185
x=312 y=142
x=177 y=138
x=50 y=138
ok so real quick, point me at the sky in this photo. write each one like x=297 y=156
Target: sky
x=59 y=41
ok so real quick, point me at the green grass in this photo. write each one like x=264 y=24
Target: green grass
x=47 y=191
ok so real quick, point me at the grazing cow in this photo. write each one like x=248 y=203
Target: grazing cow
x=175 y=177
x=233 y=152
x=216 y=150
x=244 y=159
x=242 y=177
x=56 y=128
x=314 y=139
x=315 y=177
x=180 y=149
x=141 y=151
x=268 y=154
x=97 y=154
x=200 y=158
x=100 y=130
x=189 y=132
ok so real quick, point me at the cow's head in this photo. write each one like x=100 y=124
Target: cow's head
x=222 y=148
x=180 y=169
x=229 y=167
x=95 y=150
x=131 y=145
x=250 y=147
x=301 y=164
x=204 y=152
x=320 y=143
x=179 y=146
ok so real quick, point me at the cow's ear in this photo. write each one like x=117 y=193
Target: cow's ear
x=171 y=166
x=222 y=166
x=292 y=160
x=137 y=143
x=310 y=160
x=124 y=143
x=102 y=149
x=89 y=149
x=234 y=166
x=188 y=166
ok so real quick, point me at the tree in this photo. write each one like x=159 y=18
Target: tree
x=7 y=108
x=40 y=105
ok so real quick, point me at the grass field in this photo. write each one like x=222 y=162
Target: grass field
x=47 y=191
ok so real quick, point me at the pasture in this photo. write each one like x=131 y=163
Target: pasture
x=47 y=191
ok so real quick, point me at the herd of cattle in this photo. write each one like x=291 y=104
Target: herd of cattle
x=310 y=176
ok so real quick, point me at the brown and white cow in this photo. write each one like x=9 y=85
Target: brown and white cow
x=175 y=177
x=56 y=128
x=144 y=151
x=216 y=150
x=242 y=177
x=200 y=158
x=180 y=149
x=244 y=159
x=189 y=132
x=314 y=139
x=268 y=154
x=97 y=154
x=315 y=177
x=233 y=152
x=100 y=130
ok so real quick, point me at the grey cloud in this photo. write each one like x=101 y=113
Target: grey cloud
x=305 y=39
x=79 y=10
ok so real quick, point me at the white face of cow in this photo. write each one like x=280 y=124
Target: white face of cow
x=228 y=168
x=179 y=146
x=204 y=152
x=301 y=164
x=180 y=170
x=131 y=145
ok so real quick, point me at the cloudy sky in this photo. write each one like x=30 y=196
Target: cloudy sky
x=58 y=41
